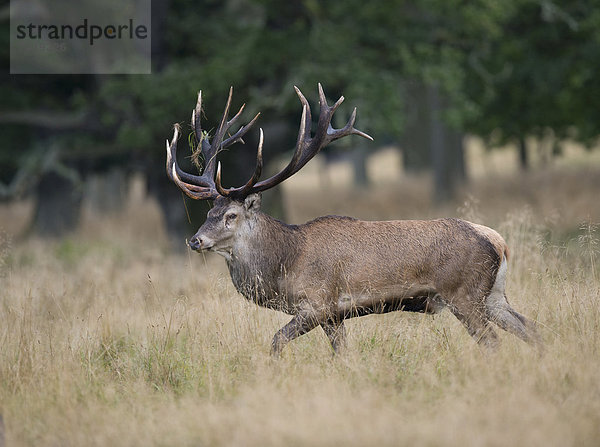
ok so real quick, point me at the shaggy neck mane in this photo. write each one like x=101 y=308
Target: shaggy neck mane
x=263 y=255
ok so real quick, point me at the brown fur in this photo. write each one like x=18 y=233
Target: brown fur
x=333 y=267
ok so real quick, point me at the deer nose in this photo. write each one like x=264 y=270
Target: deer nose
x=198 y=243
x=195 y=243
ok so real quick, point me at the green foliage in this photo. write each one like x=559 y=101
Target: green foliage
x=538 y=74
x=70 y=252
x=519 y=67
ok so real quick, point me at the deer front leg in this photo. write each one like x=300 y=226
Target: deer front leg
x=300 y=325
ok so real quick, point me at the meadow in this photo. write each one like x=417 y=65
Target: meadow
x=109 y=338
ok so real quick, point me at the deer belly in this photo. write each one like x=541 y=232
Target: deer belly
x=420 y=298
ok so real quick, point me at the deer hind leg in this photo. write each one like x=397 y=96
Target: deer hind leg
x=300 y=325
x=336 y=333
x=500 y=312
x=475 y=320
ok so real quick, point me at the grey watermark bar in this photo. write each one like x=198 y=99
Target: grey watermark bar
x=80 y=37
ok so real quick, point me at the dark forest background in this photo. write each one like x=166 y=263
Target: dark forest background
x=422 y=73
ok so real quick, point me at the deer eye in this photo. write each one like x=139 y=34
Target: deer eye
x=230 y=217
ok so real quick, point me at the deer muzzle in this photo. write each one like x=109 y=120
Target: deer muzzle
x=199 y=243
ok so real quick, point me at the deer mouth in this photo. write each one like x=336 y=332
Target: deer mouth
x=200 y=244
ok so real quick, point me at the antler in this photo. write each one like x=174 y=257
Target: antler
x=202 y=187
x=306 y=146
x=206 y=186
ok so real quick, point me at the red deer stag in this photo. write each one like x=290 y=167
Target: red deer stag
x=333 y=267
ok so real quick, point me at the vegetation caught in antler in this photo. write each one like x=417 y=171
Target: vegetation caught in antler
x=208 y=185
x=203 y=186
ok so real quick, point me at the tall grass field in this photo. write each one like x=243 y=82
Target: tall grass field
x=108 y=338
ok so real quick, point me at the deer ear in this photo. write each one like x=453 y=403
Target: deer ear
x=252 y=202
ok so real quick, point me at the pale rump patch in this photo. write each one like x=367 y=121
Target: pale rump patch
x=500 y=312
x=495 y=239
x=496 y=301
x=500 y=282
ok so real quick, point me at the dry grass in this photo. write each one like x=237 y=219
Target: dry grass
x=107 y=339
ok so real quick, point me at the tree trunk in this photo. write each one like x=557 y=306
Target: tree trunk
x=415 y=141
x=442 y=178
x=523 y=155
x=359 y=166
x=106 y=193
x=58 y=206
x=446 y=149
x=457 y=154
x=182 y=216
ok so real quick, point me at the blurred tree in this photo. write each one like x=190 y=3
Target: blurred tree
x=40 y=123
x=538 y=74
x=420 y=72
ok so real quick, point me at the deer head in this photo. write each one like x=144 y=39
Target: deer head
x=226 y=221
x=234 y=208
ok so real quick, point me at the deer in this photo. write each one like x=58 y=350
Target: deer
x=334 y=268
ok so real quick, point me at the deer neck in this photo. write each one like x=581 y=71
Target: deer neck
x=262 y=253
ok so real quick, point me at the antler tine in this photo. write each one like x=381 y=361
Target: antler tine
x=224 y=124
x=301 y=143
x=303 y=140
x=172 y=150
x=245 y=190
x=232 y=121
x=306 y=117
x=307 y=147
x=217 y=143
x=323 y=102
x=325 y=116
x=193 y=191
x=172 y=162
x=237 y=137
x=200 y=191
x=322 y=98
x=293 y=166
x=257 y=170
x=203 y=145
x=355 y=131
x=196 y=116
x=172 y=165
x=201 y=140
x=348 y=129
x=218 y=185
